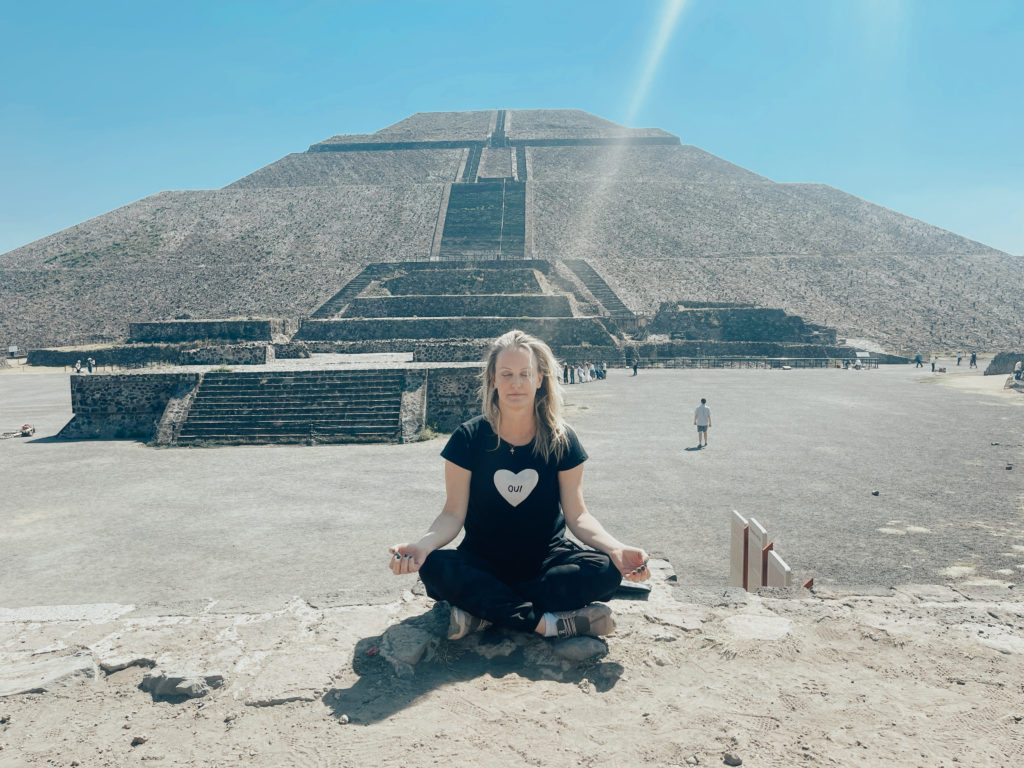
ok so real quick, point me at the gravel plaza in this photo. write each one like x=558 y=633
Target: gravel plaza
x=246 y=527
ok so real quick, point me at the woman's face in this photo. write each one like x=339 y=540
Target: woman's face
x=516 y=379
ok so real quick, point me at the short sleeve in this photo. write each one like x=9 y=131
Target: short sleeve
x=457 y=449
x=574 y=454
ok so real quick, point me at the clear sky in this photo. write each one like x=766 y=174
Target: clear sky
x=917 y=105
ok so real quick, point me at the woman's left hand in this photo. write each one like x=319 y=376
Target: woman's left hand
x=632 y=563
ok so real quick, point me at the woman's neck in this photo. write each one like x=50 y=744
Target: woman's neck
x=517 y=428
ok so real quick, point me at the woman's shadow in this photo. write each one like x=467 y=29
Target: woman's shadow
x=413 y=658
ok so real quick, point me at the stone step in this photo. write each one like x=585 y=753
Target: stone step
x=276 y=389
x=337 y=376
x=292 y=428
x=260 y=410
x=296 y=427
x=288 y=439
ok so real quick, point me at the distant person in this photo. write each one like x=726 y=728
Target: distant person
x=934 y=361
x=1017 y=370
x=636 y=362
x=89 y=362
x=565 y=373
x=572 y=374
x=917 y=361
x=974 y=360
x=78 y=366
x=702 y=418
x=959 y=357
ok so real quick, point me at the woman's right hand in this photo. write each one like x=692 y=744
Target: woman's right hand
x=405 y=558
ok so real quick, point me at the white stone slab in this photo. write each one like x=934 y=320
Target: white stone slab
x=779 y=574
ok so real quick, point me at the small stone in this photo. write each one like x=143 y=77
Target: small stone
x=580 y=648
x=692 y=760
x=139 y=740
x=1009 y=466
x=343 y=720
x=874 y=493
x=75 y=763
x=126 y=726
x=5 y=719
x=729 y=758
x=586 y=686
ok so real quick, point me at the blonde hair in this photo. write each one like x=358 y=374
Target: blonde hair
x=552 y=437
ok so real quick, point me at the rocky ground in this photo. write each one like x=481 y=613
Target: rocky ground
x=912 y=676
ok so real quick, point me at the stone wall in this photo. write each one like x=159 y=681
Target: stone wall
x=736 y=324
x=126 y=356
x=152 y=406
x=451 y=351
x=198 y=330
x=230 y=354
x=670 y=349
x=1003 y=363
x=291 y=350
x=123 y=406
x=462 y=281
x=453 y=396
x=557 y=332
x=494 y=305
x=140 y=355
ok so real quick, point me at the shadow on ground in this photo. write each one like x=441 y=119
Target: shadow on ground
x=413 y=658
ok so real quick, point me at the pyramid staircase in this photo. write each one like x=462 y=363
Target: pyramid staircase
x=296 y=407
x=600 y=289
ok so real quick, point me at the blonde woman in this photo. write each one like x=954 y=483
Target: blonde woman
x=514 y=481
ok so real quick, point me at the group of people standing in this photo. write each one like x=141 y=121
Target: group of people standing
x=580 y=373
x=89 y=362
x=935 y=360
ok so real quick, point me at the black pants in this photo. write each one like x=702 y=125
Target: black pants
x=569 y=578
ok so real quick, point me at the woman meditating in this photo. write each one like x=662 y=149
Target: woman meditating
x=514 y=480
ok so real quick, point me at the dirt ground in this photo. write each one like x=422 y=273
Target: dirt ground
x=912 y=676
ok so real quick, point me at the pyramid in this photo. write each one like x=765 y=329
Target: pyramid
x=659 y=221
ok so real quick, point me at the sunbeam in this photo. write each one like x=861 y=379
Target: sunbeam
x=669 y=17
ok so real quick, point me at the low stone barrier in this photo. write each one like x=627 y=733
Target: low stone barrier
x=126 y=356
x=453 y=396
x=123 y=406
x=199 y=330
x=139 y=355
x=152 y=406
x=669 y=349
x=229 y=354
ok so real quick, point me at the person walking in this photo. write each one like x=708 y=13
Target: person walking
x=514 y=482
x=702 y=418
x=974 y=360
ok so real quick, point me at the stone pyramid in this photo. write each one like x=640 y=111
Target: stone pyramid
x=657 y=219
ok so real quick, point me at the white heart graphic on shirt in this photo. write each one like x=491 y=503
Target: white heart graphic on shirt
x=514 y=488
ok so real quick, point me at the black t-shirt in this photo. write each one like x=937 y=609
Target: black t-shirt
x=514 y=515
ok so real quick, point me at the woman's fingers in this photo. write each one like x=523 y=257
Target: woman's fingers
x=402 y=561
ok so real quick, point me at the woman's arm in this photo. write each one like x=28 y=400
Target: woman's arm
x=631 y=561
x=407 y=558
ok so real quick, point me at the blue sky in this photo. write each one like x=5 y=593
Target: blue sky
x=917 y=105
